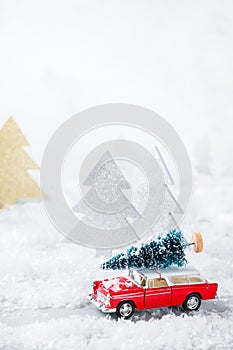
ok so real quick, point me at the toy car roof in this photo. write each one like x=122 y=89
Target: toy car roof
x=188 y=270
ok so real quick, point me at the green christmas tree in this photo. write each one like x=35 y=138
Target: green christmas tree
x=167 y=250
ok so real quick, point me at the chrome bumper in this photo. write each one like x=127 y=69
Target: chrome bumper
x=100 y=306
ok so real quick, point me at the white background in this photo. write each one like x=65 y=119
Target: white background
x=60 y=57
x=175 y=57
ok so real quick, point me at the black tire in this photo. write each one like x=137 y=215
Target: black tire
x=192 y=302
x=125 y=309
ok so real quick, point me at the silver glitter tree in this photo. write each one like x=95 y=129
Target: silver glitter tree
x=105 y=205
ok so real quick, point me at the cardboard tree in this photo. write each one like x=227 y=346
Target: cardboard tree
x=15 y=182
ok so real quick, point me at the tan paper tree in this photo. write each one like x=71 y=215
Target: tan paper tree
x=15 y=182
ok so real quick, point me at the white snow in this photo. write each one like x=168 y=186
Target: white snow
x=112 y=283
x=45 y=279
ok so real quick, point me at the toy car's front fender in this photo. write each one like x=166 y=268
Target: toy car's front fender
x=100 y=305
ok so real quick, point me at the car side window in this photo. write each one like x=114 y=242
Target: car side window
x=157 y=282
x=179 y=280
x=143 y=281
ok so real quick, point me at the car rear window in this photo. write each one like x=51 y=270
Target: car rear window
x=196 y=279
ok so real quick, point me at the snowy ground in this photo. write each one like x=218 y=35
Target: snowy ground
x=45 y=279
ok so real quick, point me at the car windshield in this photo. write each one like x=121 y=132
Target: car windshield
x=138 y=277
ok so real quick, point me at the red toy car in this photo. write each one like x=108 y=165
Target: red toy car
x=145 y=289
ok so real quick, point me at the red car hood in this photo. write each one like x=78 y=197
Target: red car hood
x=118 y=285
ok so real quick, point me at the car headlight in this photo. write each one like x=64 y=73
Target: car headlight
x=103 y=298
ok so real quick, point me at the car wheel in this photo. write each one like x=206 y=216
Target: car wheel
x=125 y=309
x=192 y=302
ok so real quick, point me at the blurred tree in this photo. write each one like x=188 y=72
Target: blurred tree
x=15 y=182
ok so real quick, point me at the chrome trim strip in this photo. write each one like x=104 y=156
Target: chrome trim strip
x=127 y=296
x=148 y=294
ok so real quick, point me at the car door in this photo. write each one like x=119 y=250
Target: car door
x=157 y=293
